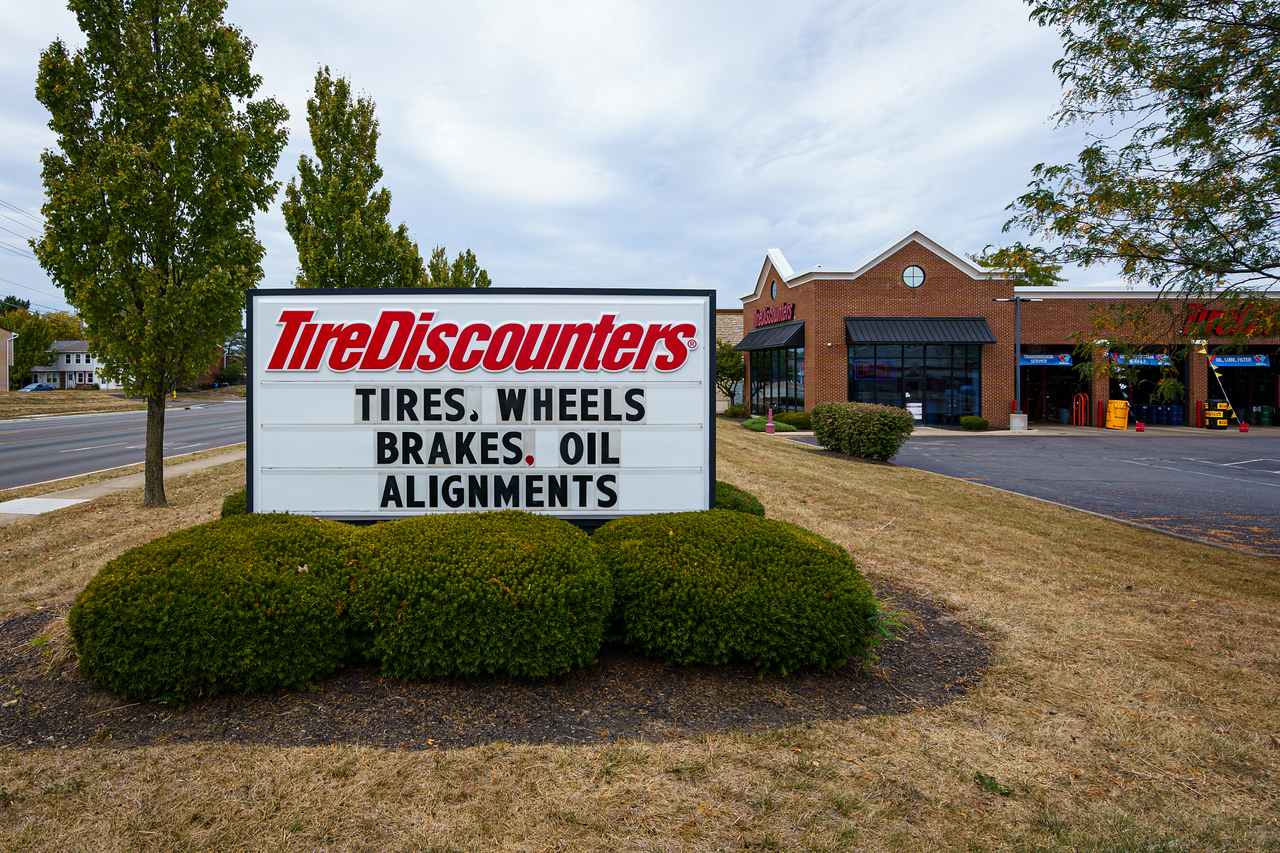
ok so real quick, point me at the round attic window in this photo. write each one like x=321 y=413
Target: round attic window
x=913 y=276
x=773 y=290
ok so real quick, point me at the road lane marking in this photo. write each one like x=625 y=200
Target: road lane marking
x=95 y=447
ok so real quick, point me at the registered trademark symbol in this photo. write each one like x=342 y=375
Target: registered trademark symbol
x=693 y=344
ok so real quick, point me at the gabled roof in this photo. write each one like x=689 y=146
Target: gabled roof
x=790 y=278
x=69 y=346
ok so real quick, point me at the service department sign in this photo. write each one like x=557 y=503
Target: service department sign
x=585 y=404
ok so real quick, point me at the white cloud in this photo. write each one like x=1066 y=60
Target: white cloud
x=647 y=143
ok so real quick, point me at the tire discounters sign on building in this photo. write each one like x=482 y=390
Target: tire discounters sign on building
x=585 y=404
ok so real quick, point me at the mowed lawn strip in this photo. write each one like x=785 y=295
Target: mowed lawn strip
x=1130 y=706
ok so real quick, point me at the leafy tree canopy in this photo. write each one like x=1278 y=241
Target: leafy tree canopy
x=463 y=272
x=65 y=326
x=730 y=368
x=161 y=162
x=337 y=218
x=1021 y=264
x=8 y=303
x=1181 y=184
x=32 y=346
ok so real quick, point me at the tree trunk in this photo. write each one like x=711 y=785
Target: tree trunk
x=153 y=478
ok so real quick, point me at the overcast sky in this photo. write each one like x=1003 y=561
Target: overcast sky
x=634 y=144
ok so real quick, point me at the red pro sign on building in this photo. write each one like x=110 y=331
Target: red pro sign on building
x=584 y=404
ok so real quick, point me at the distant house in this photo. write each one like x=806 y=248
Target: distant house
x=72 y=365
x=6 y=354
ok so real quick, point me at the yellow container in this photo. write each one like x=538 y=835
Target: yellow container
x=1117 y=414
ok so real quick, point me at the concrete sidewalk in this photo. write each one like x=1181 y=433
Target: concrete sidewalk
x=26 y=507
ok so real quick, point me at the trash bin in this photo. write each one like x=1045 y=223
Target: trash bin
x=1266 y=415
x=1117 y=414
x=1217 y=414
x=1064 y=416
x=1179 y=415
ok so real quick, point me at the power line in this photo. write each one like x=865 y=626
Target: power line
x=27 y=254
x=14 y=233
x=18 y=222
x=17 y=209
x=33 y=290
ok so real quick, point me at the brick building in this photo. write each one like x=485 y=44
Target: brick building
x=920 y=327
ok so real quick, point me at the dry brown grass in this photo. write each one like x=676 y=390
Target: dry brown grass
x=1130 y=707
x=26 y=404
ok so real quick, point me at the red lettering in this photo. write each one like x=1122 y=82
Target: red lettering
x=328 y=333
x=526 y=360
x=438 y=350
x=598 y=337
x=349 y=346
x=652 y=335
x=580 y=334
x=303 y=347
x=415 y=342
x=676 y=347
x=504 y=347
x=461 y=358
x=621 y=349
x=398 y=340
x=293 y=321
x=375 y=358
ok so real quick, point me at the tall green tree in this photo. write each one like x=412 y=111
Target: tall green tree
x=9 y=303
x=463 y=272
x=64 y=326
x=31 y=347
x=730 y=368
x=336 y=216
x=1181 y=183
x=161 y=162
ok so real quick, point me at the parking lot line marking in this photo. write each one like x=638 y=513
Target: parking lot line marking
x=1201 y=473
x=95 y=447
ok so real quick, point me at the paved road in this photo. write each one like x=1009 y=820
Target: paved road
x=40 y=449
x=1222 y=487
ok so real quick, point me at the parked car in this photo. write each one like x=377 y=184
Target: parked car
x=37 y=386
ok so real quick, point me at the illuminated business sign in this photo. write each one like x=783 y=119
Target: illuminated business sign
x=1240 y=360
x=1142 y=359
x=585 y=404
x=1046 y=360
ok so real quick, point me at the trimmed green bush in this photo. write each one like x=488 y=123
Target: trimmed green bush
x=506 y=592
x=975 y=423
x=736 y=412
x=245 y=603
x=730 y=497
x=235 y=503
x=799 y=420
x=862 y=429
x=760 y=424
x=712 y=587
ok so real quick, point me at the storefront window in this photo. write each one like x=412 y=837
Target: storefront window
x=777 y=380
x=938 y=383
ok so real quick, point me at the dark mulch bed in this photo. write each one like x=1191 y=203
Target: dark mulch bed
x=622 y=697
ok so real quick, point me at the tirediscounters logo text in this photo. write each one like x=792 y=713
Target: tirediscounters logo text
x=386 y=404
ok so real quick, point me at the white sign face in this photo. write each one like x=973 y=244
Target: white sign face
x=369 y=404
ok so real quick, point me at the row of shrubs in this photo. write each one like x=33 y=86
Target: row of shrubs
x=862 y=429
x=799 y=420
x=256 y=602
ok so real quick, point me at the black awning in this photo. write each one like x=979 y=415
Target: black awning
x=781 y=336
x=918 y=330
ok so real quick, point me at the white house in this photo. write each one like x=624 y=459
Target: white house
x=72 y=365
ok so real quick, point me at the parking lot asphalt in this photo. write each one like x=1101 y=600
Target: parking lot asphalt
x=1221 y=487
